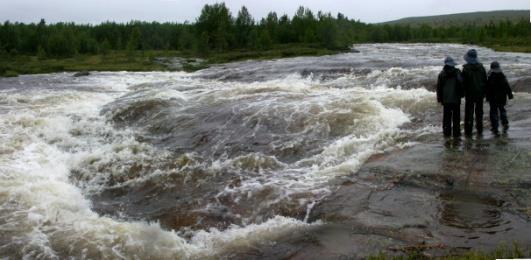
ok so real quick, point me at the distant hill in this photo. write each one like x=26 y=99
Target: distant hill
x=464 y=18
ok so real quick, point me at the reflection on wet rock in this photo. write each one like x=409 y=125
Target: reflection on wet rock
x=470 y=211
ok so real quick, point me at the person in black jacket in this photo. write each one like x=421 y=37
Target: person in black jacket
x=498 y=90
x=474 y=82
x=449 y=94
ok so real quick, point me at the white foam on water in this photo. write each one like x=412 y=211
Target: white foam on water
x=45 y=135
x=377 y=128
x=53 y=214
x=371 y=117
x=253 y=234
x=46 y=216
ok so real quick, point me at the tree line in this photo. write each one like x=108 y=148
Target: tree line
x=217 y=30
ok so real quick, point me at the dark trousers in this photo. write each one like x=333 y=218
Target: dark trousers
x=498 y=111
x=451 y=120
x=471 y=107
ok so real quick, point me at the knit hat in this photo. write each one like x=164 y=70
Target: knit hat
x=471 y=56
x=495 y=67
x=449 y=61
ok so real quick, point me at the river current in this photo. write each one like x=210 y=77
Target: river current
x=194 y=165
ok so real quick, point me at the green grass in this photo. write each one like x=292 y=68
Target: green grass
x=144 y=60
x=510 y=48
x=279 y=51
x=12 y=66
x=10 y=74
x=502 y=251
x=115 y=61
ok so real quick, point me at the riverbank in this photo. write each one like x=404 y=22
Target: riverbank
x=11 y=66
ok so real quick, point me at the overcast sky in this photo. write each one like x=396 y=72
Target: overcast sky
x=96 y=11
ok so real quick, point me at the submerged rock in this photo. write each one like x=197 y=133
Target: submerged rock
x=522 y=85
x=81 y=74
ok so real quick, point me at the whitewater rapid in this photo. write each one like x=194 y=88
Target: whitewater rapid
x=98 y=167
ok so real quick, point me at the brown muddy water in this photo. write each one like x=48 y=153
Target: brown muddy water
x=316 y=157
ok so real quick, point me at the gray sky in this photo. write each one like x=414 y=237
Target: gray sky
x=95 y=11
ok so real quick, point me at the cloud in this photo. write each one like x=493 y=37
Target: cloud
x=95 y=11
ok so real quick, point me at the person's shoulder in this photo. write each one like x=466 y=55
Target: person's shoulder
x=503 y=77
x=497 y=74
x=454 y=70
x=441 y=75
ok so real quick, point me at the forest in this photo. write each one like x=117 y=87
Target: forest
x=216 y=31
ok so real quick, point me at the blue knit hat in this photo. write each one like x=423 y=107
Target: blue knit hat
x=449 y=61
x=471 y=56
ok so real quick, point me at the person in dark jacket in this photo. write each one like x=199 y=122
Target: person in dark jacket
x=497 y=91
x=449 y=94
x=474 y=82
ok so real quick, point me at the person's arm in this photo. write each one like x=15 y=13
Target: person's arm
x=488 y=88
x=508 y=89
x=464 y=80
x=440 y=84
x=484 y=76
x=460 y=85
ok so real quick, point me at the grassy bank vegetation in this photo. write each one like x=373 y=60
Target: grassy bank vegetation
x=503 y=251
x=120 y=60
x=115 y=61
x=218 y=36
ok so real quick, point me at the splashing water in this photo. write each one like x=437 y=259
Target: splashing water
x=195 y=165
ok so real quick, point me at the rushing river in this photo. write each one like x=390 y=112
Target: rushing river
x=193 y=165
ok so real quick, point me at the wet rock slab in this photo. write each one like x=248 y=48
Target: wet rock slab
x=440 y=197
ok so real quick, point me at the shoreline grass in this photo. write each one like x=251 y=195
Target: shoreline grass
x=145 y=60
x=12 y=66
x=503 y=251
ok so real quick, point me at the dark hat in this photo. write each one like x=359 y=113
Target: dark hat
x=471 y=56
x=495 y=67
x=449 y=61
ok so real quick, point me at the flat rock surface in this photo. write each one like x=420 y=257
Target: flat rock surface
x=438 y=197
